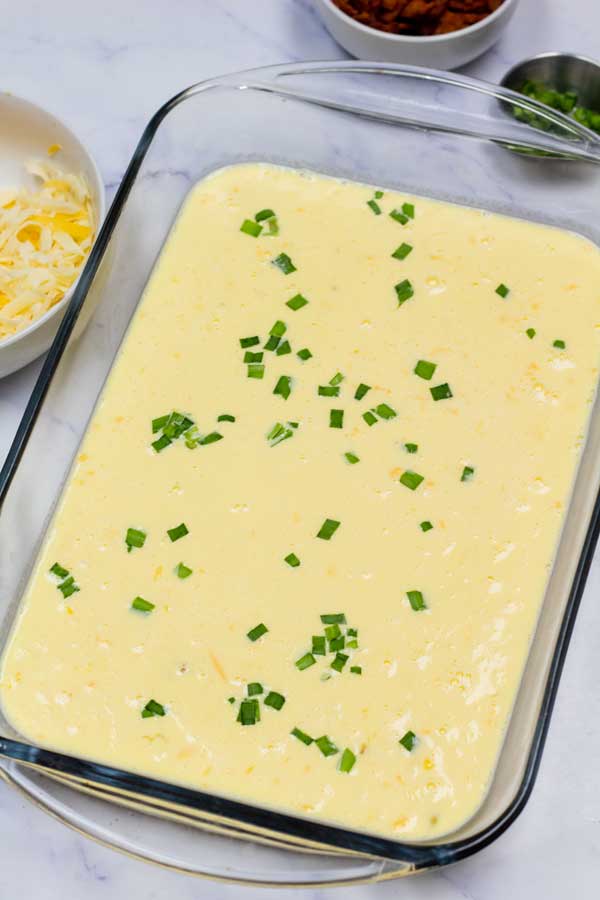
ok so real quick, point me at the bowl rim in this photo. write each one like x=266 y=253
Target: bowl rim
x=429 y=39
x=547 y=54
x=100 y=215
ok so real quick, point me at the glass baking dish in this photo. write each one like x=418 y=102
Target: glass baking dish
x=392 y=126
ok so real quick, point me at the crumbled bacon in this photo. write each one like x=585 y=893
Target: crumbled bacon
x=418 y=17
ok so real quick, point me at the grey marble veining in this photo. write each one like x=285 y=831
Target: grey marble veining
x=105 y=69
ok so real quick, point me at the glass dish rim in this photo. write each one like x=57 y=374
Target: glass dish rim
x=419 y=855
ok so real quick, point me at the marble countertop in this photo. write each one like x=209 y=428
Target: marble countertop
x=105 y=72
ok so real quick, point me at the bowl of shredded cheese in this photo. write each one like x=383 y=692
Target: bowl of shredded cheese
x=51 y=205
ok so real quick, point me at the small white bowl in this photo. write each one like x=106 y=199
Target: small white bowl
x=438 y=51
x=27 y=133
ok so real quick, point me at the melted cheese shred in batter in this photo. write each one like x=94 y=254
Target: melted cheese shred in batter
x=80 y=669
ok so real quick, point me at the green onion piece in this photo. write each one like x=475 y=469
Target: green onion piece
x=274 y=700
x=356 y=670
x=398 y=216
x=338 y=643
x=408 y=741
x=279 y=433
x=273 y=226
x=283 y=386
x=159 y=424
x=370 y=418
x=372 y=204
x=411 y=448
x=425 y=369
x=59 y=570
x=178 y=532
x=292 y=560
x=402 y=251
x=441 y=392
x=326 y=746
x=361 y=390
x=264 y=214
x=211 y=438
x=283 y=349
x=254 y=688
x=409 y=210
x=467 y=473
x=404 y=291
x=347 y=761
x=560 y=344
x=231 y=699
x=340 y=661
x=301 y=736
x=352 y=458
x=328 y=529
x=415 y=598
x=336 y=418
x=249 y=341
x=257 y=632
x=296 y=302
x=530 y=333
x=183 y=571
x=304 y=354
x=251 y=228
x=337 y=379
x=385 y=412
x=161 y=443
x=425 y=525
x=284 y=264
x=352 y=645
x=278 y=329
x=256 y=370
x=226 y=417
x=378 y=195
x=333 y=631
x=334 y=619
x=352 y=632
x=328 y=390
x=252 y=357
x=272 y=342
x=153 y=708
x=502 y=291
x=319 y=646
x=305 y=662
x=142 y=605
x=249 y=713
x=411 y=480
x=177 y=425
x=68 y=587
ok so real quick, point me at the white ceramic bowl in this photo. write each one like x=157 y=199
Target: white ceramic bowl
x=440 y=51
x=27 y=133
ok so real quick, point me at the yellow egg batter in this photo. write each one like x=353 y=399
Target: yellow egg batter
x=430 y=584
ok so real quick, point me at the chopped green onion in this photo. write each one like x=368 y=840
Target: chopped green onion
x=370 y=418
x=404 y=291
x=68 y=587
x=352 y=458
x=251 y=228
x=211 y=438
x=361 y=390
x=272 y=342
x=334 y=619
x=153 y=708
x=159 y=424
x=283 y=386
x=328 y=390
x=333 y=631
x=304 y=354
x=292 y=560
x=530 y=333
x=257 y=632
x=256 y=370
x=409 y=210
x=318 y=645
x=399 y=216
x=372 y=204
x=336 y=418
x=254 y=688
x=340 y=661
x=425 y=525
x=296 y=302
x=411 y=448
x=301 y=736
x=378 y=195
x=425 y=369
x=338 y=643
x=337 y=379
x=264 y=214
x=249 y=713
x=402 y=251
x=279 y=433
x=415 y=598
x=142 y=605
x=284 y=264
x=274 y=700
x=328 y=529
x=441 y=392
x=249 y=341
x=352 y=632
x=283 y=349
x=356 y=670
x=352 y=645
x=347 y=761
x=467 y=473
x=252 y=357
x=560 y=345
x=326 y=746
x=161 y=443
x=178 y=532
x=225 y=417
x=408 y=741
x=502 y=291
x=305 y=662
x=183 y=571
x=385 y=412
x=59 y=570
x=231 y=699
x=278 y=329
x=411 y=480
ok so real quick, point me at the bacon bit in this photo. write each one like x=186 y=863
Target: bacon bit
x=218 y=667
x=418 y=17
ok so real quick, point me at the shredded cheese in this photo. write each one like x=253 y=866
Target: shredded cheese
x=45 y=237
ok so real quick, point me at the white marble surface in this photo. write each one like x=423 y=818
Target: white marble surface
x=105 y=71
